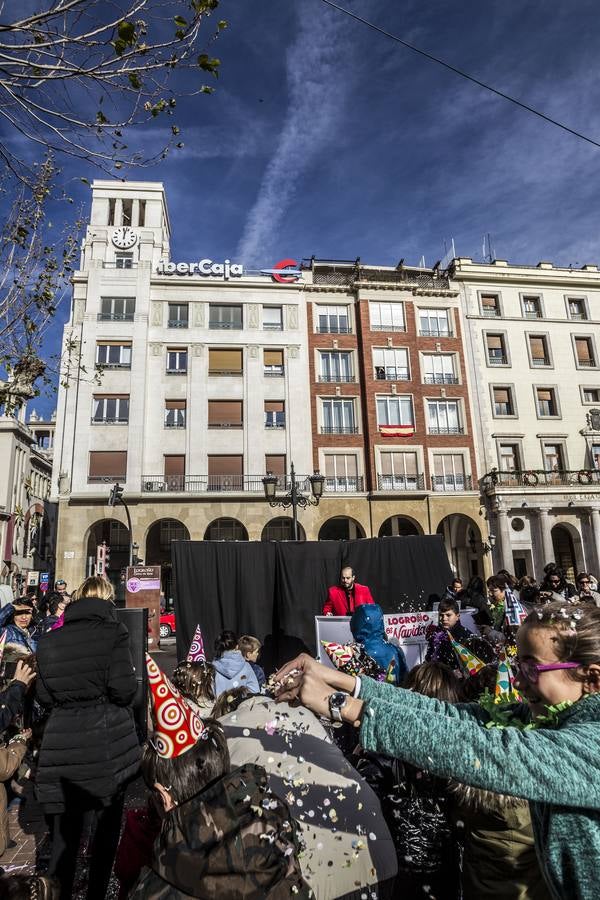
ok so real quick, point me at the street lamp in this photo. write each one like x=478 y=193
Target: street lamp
x=294 y=497
x=486 y=546
x=116 y=496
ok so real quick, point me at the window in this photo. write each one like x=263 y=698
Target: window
x=225 y=473
x=124 y=260
x=538 y=350
x=386 y=316
x=577 y=308
x=532 y=307
x=225 y=316
x=390 y=364
x=341 y=472
x=274 y=414
x=272 y=319
x=509 y=458
x=127 y=208
x=111 y=211
x=439 y=369
x=595 y=454
x=398 y=472
x=275 y=464
x=225 y=414
x=584 y=352
x=395 y=411
x=591 y=395
x=142 y=213
x=108 y=465
x=110 y=409
x=113 y=355
x=338 y=416
x=490 y=305
x=116 y=309
x=503 y=401
x=178 y=315
x=449 y=472
x=546 y=402
x=434 y=323
x=335 y=365
x=176 y=362
x=496 y=350
x=273 y=362
x=175 y=413
x=553 y=457
x=333 y=319
x=225 y=362
x=174 y=472
x=443 y=417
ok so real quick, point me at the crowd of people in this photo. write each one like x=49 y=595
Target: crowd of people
x=473 y=775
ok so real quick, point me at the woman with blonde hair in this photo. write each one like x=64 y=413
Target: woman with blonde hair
x=89 y=750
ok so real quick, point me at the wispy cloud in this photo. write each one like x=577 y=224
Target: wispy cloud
x=319 y=84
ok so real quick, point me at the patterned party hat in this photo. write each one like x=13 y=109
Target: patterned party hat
x=2 y=643
x=196 y=652
x=470 y=663
x=514 y=610
x=390 y=675
x=339 y=654
x=505 y=691
x=176 y=727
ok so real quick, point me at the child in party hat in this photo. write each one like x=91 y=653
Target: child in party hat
x=194 y=678
x=223 y=834
x=449 y=631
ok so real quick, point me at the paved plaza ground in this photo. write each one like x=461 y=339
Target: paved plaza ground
x=29 y=848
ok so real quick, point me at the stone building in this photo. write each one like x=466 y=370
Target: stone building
x=27 y=518
x=533 y=339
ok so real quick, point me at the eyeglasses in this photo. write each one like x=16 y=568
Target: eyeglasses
x=531 y=671
x=584 y=581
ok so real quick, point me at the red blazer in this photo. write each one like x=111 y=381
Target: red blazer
x=337 y=600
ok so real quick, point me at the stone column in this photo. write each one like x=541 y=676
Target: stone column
x=506 y=557
x=595 y=517
x=545 y=536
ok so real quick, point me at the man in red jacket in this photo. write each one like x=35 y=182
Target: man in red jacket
x=342 y=601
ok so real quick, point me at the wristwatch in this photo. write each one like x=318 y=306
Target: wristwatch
x=337 y=702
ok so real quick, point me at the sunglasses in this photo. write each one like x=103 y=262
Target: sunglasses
x=530 y=671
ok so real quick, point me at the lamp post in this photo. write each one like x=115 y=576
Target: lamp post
x=294 y=497
x=486 y=546
x=116 y=496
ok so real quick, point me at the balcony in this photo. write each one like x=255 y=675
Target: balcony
x=343 y=483
x=400 y=482
x=337 y=379
x=278 y=424
x=177 y=371
x=389 y=373
x=226 y=326
x=115 y=317
x=435 y=332
x=101 y=365
x=203 y=484
x=388 y=327
x=334 y=329
x=491 y=312
x=540 y=361
x=586 y=363
x=339 y=429
x=225 y=372
x=533 y=314
x=107 y=479
x=177 y=323
x=272 y=326
x=451 y=483
x=440 y=379
x=346 y=275
x=501 y=360
x=541 y=478
x=274 y=371
x=110 y=421
x=225 y=424
x=456 y=429
x=174 y=424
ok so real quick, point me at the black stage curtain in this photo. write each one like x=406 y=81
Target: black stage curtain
x=274 y=590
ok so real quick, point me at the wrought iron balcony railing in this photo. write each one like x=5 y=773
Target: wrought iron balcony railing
x=400 y=482
x=440 y=379
x=451 y=483
x=343 y=483
x=339 y=429
x=202 y=484
x=435 y=332
x=337 y=379
x=540 y=478
x=458 y=429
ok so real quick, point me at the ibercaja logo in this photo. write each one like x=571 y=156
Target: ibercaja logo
x=285 y=271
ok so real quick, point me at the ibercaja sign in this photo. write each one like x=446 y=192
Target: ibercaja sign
x=205 y=267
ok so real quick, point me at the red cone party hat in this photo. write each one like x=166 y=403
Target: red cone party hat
x=176 y=727
x=339 y=654
x=196 y=652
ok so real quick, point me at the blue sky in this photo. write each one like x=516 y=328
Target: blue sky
x=324 y=137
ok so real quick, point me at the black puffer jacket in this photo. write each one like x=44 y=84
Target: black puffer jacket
x=85 y=674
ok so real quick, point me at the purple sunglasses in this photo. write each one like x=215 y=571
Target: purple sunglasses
x=531 y=671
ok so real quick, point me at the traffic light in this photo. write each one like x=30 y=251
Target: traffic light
x=116 y=494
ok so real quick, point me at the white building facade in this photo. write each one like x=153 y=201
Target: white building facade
x=201 y=387
x=533 y=342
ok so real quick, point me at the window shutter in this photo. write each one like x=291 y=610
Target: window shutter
x=225 y=465
x=108 y=463
x=225 y=360
x=275 y=463
x=273 y=357
x=225 y=412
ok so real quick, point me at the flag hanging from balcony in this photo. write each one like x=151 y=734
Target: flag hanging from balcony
x=396 y=430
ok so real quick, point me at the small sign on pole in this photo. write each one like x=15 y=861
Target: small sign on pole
x=44 y=581
x=33 y=578
x=142 y=590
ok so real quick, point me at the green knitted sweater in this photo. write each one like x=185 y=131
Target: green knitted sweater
x=556 y=769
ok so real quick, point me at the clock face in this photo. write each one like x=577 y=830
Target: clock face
x=124 y=237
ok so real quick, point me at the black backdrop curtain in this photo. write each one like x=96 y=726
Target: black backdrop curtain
x=274 y=590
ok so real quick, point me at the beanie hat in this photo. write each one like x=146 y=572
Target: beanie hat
x=176 y=727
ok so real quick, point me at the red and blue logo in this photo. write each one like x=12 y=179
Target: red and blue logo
x=285 y=271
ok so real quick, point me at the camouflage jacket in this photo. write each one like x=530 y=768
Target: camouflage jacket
x=232 y=840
